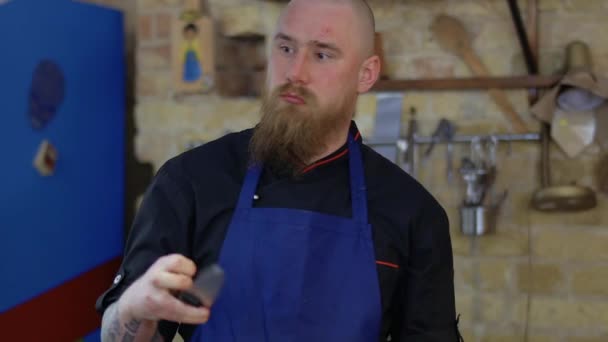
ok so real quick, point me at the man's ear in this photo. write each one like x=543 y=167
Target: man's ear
x=369 y=74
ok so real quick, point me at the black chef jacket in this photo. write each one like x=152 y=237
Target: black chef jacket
x=189 y=205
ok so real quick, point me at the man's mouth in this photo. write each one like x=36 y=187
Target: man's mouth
x=293 y=98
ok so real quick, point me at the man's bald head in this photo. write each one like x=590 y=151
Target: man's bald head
x=366 y=24
x=321 y=59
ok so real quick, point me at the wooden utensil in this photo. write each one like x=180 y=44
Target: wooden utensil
x=453 y=37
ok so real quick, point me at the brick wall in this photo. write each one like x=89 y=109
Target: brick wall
x=546 y=274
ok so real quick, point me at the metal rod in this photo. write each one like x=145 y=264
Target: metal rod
x=419 y=140
x=469 y=83
x=469 y=138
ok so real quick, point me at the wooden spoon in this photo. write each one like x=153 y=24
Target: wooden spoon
x=454 y=38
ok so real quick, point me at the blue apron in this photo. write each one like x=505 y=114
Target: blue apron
x=295 y=275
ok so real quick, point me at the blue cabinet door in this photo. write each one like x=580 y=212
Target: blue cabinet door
x=62 y=79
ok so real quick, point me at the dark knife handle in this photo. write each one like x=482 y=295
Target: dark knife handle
x=190 y=299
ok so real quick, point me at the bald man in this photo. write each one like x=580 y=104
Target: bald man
x=319 y=237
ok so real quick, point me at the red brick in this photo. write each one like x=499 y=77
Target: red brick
x=144 y=27
x=163 y=25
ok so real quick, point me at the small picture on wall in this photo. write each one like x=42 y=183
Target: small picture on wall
x=193 y=53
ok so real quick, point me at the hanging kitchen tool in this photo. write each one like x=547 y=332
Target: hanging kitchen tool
x=438 y=135
x=475 y=179
x=449 y=153
x=483 y=160
x=453 y=37
x=475 y=218
x=479 y=210
x=406 y=157
x=571 y=197
x=387 y=124
x=578 y=90
x=559 y=197
x=444 y=132
x=481 y=219
x=570 y=105
x=550 y=198
x=478 y=220
x=483 y=151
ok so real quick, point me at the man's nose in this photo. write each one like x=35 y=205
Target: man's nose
x=298 y=69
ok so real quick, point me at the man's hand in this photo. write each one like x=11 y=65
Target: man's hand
x=151 y=298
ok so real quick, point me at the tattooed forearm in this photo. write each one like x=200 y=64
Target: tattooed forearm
x=110 y=325
x=131 y=328
x=114 y=330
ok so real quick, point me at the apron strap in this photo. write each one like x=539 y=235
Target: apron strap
x=358 y=190
x=249 y=187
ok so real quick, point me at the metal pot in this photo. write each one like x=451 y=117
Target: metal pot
x=478 y=220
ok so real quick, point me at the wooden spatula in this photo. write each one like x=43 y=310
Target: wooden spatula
x=453 y=37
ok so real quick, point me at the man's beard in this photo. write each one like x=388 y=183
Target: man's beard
x=289 y=136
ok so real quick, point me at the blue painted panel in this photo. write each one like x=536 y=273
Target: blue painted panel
x=56 y=228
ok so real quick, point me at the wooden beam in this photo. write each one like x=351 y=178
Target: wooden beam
x=472 y=83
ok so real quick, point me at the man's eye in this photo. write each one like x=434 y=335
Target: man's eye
x=285 y=49
x=323 y=56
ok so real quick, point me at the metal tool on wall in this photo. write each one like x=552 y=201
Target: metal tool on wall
x=444 y=132
x=407 y=145
x=551 y=198
x=579 y=93
x=387 y=123
x=567 y=197
x=453 y=37
x=479 y=210
x=573 y=124
x=547 y=196
x=406 y=149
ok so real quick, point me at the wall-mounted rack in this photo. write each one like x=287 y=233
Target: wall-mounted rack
x=420 y=140
x=469 y=83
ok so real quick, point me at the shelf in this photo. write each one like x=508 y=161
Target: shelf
x=472 y=83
